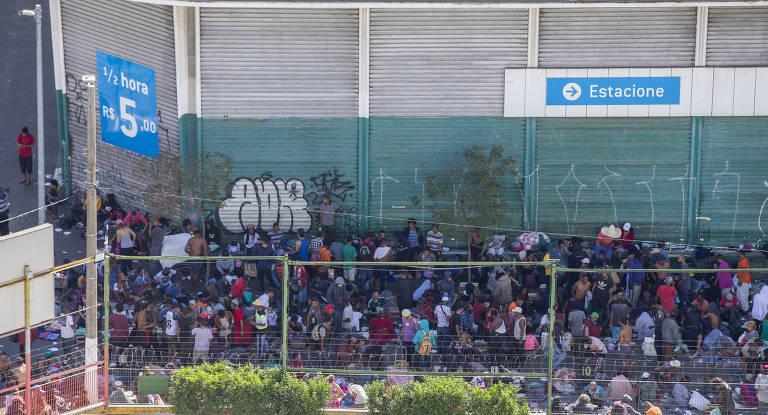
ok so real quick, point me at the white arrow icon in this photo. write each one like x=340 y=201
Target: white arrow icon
x=571 y=91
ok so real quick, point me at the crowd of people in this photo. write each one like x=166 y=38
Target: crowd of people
x=622 y=336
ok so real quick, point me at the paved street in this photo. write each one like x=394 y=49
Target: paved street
x=18 y=109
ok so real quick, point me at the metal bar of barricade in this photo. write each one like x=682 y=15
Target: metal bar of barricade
x=27 y=346
x=550 y=337
x=410 y=373
x=106 y=332
x=284 y=310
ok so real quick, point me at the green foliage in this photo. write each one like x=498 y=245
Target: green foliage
x=472 y=191
x=445 y=396
x=200 y=183
x=245 y=390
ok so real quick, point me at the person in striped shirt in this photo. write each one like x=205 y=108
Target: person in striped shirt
x=276 y=238
x=435 y=241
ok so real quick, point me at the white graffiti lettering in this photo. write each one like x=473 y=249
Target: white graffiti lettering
x=262 y=202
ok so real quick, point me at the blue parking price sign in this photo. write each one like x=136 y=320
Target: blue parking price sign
x=127 y=104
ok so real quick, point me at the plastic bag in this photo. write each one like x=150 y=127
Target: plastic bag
x=648 y=348
x=698 y=401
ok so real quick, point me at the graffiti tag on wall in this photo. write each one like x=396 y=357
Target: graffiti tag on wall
x=264 y=201
x=334 y=184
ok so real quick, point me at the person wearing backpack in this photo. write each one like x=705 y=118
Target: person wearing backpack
x=424 y=341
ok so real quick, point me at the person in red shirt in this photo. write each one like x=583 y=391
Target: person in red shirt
x=25 y=140
x=667 y=294
x=382 y=329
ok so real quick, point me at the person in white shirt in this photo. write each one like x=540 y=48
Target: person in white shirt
x=443 y=314
x=203 y=336
x=67 y=331
x=172 y=327
x=266 y=297
x=381 y=254
x=761 y=384
x=347 y=315
x=163 y=278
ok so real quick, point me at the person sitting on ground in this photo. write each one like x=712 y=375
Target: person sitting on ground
x=583 y=405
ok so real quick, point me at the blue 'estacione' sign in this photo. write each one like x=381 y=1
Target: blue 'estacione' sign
x=614 y=91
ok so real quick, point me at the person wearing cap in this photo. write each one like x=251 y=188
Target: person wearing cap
x=443 y=314
x=382 y=328
x=647 y=389
x=409 y=326
x=260 y=324
x=627 y=235
x=667 y=294
x=593 y=327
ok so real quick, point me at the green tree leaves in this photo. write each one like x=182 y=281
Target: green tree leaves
x=245 y=390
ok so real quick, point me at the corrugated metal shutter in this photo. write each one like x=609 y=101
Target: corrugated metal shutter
x=733 y=180
x=737 y=36
x=594 y=172
x=617 y=37
x=443 y=62
x=279 y=63
x=140 y=33
x=406 y=151
x=279 y=92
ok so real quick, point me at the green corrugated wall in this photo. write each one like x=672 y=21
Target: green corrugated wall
x=405 y=151
x=594 y=172
x=322 y=153
x=733 y=189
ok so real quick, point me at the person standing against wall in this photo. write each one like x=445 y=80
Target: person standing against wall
x=328 y=211
x=25 y=140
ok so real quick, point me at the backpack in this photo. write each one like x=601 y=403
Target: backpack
x=425 y=347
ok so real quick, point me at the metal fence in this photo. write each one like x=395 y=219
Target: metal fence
x=557 y=367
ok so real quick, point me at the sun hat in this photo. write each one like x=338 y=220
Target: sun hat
x=257 y=302
x=611 y=231
x=406 y=312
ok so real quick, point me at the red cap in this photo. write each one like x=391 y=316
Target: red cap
x=329 y=308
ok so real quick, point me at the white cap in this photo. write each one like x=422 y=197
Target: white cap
x=445 y=298
x=645 y=375
x=674 y=363
x=585 y=261
x=626 y=227
x=517 y=310
x=118 y=383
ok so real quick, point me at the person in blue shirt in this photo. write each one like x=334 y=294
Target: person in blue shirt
x=595 y=392
x=419 y=360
